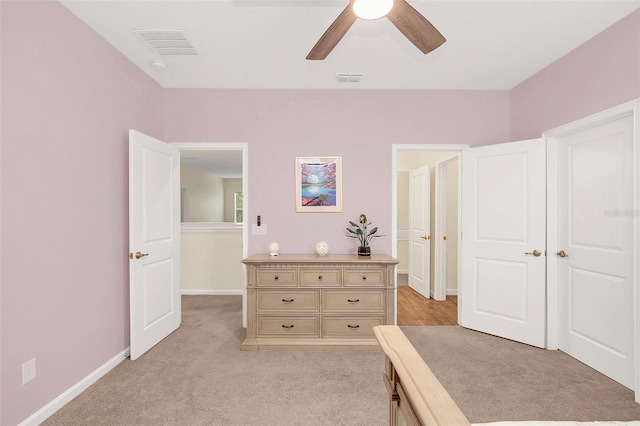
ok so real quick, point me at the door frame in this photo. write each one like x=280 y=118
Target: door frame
x=230 y=146
x=440 y=259
x=395 y=148
x=631 y=108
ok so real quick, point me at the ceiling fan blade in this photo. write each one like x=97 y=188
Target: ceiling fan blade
x=415 y=27
x=334 y=34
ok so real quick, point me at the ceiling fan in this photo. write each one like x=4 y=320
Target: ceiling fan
x=409 y=21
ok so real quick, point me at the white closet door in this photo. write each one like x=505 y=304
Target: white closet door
x=503 y=240
x=594 y=252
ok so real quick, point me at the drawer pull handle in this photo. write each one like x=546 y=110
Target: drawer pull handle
x=287 y=300
x=287 y=326
x=353 y=326
x=353 y=300
x=275 y=278
x=320 y=277
x=364 y=278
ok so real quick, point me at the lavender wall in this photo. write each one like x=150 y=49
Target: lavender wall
x=360 y=126
x=68 y=100
x=599 y=74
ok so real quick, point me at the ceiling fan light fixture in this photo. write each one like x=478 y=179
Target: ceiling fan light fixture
x=372 y=9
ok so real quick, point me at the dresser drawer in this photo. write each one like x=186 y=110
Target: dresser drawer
x=353 y=301
x=306 y=326
x=364 y=277
x=316 y=277
x=270 y=277
x=288 y=300
x=355 y=326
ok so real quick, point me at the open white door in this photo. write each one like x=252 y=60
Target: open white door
x=419 y=230
x=503 y=240
x=594 y=255
x=446 y=225
x=154 y=241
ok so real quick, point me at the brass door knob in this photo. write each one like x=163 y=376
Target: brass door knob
x=141 y=255
x=562 y=254
x=536 y=253
x=426 y=237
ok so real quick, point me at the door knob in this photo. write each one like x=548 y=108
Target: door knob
x=562 y=254
x=536 y=253
x=426 y=237
x=141 y=255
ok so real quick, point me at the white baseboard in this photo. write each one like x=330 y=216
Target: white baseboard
x=45 y=412
x=187 y=292
x=448 y=292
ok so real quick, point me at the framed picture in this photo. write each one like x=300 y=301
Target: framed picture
x=318 y=184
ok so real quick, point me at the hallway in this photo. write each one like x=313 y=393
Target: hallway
x=414 y=309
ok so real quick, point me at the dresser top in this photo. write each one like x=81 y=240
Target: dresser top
x=257 y=259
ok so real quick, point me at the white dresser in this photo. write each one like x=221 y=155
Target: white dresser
x=304 y=301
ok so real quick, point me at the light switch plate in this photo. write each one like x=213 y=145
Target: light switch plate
x=258 y=230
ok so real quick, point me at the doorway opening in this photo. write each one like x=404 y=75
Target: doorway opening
x=214 y=197
x=425 y=236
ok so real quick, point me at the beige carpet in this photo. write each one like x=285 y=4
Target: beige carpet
x=494 y=379
x=198 y=376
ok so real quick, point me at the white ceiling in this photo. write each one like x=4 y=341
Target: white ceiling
x=263 y=43
x=224 y=163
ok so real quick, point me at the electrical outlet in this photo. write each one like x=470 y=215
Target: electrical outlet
x=28 y=371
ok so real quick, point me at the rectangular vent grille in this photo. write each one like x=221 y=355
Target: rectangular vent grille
x=348 y=78
x=166 y=42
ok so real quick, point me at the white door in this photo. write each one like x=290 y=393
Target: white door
x=503 y=240
x=595 y=235
x=419 y=230
x=446 y=226
x=154 y=241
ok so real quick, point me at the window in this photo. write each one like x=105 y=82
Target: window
x=237 y=206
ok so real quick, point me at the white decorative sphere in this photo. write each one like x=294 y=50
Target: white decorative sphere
x=322 y=248
x=273 y=249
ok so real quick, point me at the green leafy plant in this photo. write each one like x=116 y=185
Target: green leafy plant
x=359 y=230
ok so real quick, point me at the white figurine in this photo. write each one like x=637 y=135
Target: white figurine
x=322 y=248
x=273 y=249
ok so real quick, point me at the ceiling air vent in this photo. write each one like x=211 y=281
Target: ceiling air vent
x=348 y=78
x=166 y=42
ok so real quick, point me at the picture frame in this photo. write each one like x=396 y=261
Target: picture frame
x=318 y=184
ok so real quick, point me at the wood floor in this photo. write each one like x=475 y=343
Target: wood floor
x=415 y=309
